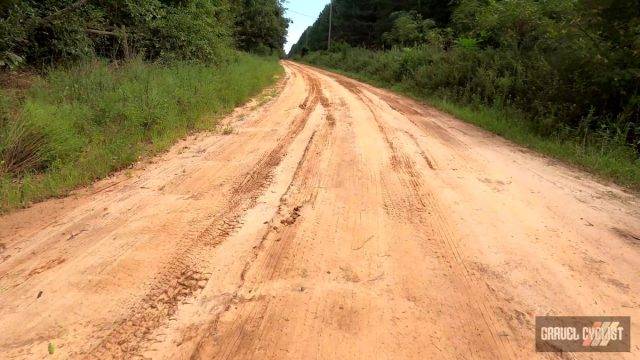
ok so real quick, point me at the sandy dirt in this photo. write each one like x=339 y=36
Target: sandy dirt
x=337 y=221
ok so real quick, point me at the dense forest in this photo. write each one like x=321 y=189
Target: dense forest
x=44 y=33
x=88 y=87
x=365 y=22
x=567 y=70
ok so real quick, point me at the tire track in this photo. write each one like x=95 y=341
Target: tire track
x=251 y=310
x=187 y=273
x=423 y=202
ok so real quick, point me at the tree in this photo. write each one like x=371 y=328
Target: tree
x=408 y=29
x=47 y=32
x=365 y=22
x=261 y=26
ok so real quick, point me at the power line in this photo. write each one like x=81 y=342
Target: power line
x=299 y=13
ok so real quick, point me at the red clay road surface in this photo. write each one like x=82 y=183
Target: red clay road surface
x=337 y=221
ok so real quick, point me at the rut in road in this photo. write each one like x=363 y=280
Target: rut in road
x=426 y=213
x=337 y=221
x=186 y=274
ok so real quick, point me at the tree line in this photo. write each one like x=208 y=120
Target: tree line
x=567 y=65
x=48 y=32
x=364 y=22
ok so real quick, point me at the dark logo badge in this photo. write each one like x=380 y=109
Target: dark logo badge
x=583 y=334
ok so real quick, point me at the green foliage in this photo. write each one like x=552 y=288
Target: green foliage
x=82 y=123
x=261 y=26
x=467 y=43
x=45 y=33
x=191 y=31
x=408 y=29
x=376 y=23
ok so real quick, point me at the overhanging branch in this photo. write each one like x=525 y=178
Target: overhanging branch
x=103 y=32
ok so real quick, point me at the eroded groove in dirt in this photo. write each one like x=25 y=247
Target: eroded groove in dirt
x=184 y=276
x=424 y=204
x=428 y=159
x=280 y=232
x=419 y=117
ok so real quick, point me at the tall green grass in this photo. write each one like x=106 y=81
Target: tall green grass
x=427 y=75
x=82 y=123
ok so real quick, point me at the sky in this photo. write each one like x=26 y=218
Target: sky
x=303 y=13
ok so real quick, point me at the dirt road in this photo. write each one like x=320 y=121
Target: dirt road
x=337 y=221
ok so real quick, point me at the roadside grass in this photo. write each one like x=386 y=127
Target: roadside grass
x=82 y=123
x=607 y=158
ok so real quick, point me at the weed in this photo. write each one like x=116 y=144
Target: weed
x=84 y=122
x=227 y=130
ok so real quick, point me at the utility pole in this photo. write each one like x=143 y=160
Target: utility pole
x=330 y=24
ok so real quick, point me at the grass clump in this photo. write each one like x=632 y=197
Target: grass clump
x=227 y=130
x=81 y=123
